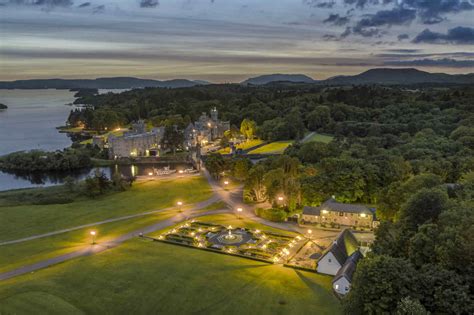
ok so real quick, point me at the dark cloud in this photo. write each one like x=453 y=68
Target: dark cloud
x=404 y=51
x=151 y=3
x=336 y=19
x=45 y=3
x=99 y=9
x=403 y=37
x=369 y=26
x=84 y=5
x=319 y=4
x=457 y=35
x=360 y=3
x=445 y=62
x=430 y=11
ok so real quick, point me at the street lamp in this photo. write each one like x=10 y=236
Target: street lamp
x=239 y=211
x=179 y=203
x=93 y=234
x=280 y=198
x=309 y=233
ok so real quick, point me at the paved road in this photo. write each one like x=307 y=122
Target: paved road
x=94 y=249
x=196 y=206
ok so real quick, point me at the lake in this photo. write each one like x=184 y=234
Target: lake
x=30 y=123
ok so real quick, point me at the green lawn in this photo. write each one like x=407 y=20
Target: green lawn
x=276 y=147
x=144 y=277
x=30 y=252
x=27 y=220
x=244 y=146
x=320 y=138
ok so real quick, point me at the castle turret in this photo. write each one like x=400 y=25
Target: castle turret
x=214 y=114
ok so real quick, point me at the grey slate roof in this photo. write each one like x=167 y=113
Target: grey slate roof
x=333 y=205
x=344 y=246
x=349 y=267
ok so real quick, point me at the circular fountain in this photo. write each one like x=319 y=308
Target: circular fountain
x=235 y=237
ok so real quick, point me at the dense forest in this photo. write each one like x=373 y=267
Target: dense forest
x=408 y=152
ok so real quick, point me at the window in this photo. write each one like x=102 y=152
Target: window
x=336 y=286
x=341 y=214
x=346 y=288
x=329 y=260
x=356 y=221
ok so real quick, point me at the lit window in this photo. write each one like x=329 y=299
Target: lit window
x=336 y=286
x=363 y=215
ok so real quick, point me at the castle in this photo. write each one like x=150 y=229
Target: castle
x=137 y=142
x=206 y=129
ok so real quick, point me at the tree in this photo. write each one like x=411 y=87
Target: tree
x=173 y=138
x=241 y=168
x=378 y=284
x=248 y=128
x=319 y=118
x=409 y=306
x=422 y=245
x=254 y=185
x=424 y=206
x=215 y=164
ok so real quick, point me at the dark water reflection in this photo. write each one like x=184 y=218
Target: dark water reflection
x=16 y=180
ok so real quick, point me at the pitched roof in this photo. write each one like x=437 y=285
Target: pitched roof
x=344 y=246
x=332 y=204
x=349 y=267
x=311 y=210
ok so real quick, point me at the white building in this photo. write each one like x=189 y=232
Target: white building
x=340 y=260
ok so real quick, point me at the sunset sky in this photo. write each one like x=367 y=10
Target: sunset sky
x=230 y=40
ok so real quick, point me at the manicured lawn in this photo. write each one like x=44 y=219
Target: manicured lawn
x=144 y=277
x=244 y=146
x=276 y=147
x=27 y=220
x=320 y=138
x=30 y=252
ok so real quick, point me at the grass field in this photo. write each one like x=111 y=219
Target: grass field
x=320 y=138
x=26 y=220
x=276 y=147
x=144 y=277
x=30 y=252
x=244 y=146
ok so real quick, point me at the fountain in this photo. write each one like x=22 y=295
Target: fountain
x=230 y=236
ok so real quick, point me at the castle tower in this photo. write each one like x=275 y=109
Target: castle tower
x=214 y=114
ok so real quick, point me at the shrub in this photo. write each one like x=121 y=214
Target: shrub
x=272 y=214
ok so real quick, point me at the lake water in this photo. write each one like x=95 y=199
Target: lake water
x=30 y=123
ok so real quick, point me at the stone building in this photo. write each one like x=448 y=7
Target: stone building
x=206 y=129
x=340 y=260
x=137 y=142
x=334 y=212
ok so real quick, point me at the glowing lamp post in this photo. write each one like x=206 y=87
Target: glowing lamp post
x=239 y=211
x=93 y=234
x=150 y=173
x=179 y=203
x=309 y=233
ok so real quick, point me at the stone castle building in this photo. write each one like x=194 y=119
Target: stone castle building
x=206 y=129
x=137 y=142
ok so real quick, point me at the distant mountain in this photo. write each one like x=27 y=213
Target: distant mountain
x=268 y=78
x=399 y=76
x=99 y=83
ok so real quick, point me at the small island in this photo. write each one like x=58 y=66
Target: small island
x=3 y=106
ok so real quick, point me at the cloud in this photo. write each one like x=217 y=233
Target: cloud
x=336 y=19
x=83 y=5
x=445 y=62
x=45 y=3
x=457 y=35
x=99 y=9
x=403 y=37
x=369 y=26
x=151 y=3
x=432 y=10
x=320 y=4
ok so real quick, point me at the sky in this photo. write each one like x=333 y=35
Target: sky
x=231 y=40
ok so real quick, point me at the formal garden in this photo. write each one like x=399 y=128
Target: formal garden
x=245 y=242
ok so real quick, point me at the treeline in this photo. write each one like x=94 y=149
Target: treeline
x=284 y=113
x=423 y=260
x=37 y=160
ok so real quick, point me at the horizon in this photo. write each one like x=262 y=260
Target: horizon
x=234 y=82
x=223 y=42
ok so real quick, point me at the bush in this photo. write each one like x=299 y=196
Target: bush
x=52 y=200
x=276 y=215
